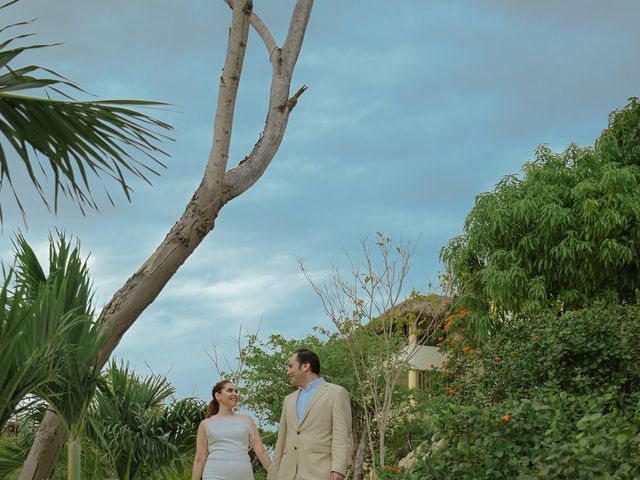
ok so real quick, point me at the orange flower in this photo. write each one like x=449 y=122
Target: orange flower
x=498 y=358
x=506 y=418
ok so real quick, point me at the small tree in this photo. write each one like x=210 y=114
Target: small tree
x=74 y=373
x=49 y=338
x=363 y=308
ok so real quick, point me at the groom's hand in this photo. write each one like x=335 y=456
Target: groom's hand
x=336 y=476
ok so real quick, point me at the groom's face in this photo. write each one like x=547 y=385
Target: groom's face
x=296 y=372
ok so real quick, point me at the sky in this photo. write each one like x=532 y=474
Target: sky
x=413 y=109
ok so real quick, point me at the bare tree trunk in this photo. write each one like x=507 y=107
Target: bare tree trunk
x=381 y=439
x=217 y=188
x=358 y=458
x=53 y=434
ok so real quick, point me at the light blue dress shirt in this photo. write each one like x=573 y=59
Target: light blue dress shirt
x=305 y=395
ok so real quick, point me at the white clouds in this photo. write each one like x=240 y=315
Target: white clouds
x=205 y=306
x=249 y=294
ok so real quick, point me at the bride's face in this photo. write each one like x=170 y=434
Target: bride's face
x=228 y=396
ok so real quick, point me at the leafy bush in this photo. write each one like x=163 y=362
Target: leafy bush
x=553 y=397
x=552 y=435
x=579 y=352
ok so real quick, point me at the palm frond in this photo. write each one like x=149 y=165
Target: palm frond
x=136 y=422
x=12 y=456
x=79 y=140
x=30 y=275
x=7 y=4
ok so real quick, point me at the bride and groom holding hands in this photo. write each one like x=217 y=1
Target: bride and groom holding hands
x=314 y=437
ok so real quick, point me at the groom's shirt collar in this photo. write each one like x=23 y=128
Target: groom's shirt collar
x=304 y=395
x=312 y=384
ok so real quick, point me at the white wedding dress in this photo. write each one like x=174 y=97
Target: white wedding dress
x=229 y=440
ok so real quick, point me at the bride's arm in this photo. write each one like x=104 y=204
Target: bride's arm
x=201 y=453
x=258 y=446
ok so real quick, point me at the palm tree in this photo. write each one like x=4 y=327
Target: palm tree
x=27 y=330
x=48 y=337
x=138 y=425
x=71 y=390
x=51 y=352
x=42 y=319
x=78 y=140
x=134 y=428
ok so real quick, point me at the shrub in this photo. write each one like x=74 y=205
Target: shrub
x=553 y=397
x=580 y=352
x=552 y=435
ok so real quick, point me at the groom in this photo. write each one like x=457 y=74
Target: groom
x=314 y=438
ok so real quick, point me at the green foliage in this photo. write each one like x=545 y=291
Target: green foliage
x=265 y=376
x=11 y=456
x=562 y=236
x=551 y=435
x=553 y=397
x=138 y=425
x=580 y=352
x=45 y=323
x=542 y=379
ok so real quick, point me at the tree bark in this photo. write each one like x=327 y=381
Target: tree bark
x=53 y=434
x=217 y=188
x=358 y=459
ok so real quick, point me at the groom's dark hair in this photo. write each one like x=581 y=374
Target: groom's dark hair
x=305 y=355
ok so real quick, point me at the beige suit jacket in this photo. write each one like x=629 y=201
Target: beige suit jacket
x=320 y=443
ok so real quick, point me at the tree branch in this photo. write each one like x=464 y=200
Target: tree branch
x=262 y=30
x=227 y=94
x=239 y=179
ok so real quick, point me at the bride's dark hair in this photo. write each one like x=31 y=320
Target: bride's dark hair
x=214 y=405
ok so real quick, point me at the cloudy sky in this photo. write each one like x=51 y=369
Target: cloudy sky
x=414 y=107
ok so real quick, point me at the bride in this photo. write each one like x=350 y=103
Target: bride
x=224 y=439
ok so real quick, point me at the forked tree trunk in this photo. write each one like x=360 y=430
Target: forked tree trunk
x=217 y=188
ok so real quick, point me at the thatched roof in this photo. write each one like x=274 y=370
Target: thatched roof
x=428 y=312
x=424 y=308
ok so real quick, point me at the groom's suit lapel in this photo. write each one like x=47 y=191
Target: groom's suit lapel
x=322 y=389
x=293 y=400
